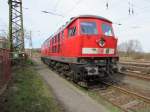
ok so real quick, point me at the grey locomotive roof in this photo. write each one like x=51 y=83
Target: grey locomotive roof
x=93 y=16
x=81 y=16
x=84 y=16
x=74 y=18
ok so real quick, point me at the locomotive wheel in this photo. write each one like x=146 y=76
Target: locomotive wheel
x=83 y=84
x=74 y=77
x=83 y=81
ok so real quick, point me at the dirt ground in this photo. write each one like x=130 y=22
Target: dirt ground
x=69 y=96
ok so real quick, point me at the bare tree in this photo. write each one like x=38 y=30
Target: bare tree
x=130 y=47
x=3 y=33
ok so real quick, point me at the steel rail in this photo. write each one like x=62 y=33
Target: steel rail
x=116 y=105
x=135 y=75
x=146 y=99
x=135 y=63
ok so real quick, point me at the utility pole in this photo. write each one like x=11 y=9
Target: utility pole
x=30 y=43
x=16 y=31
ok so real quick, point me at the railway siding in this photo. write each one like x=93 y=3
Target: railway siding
x=136 y=75
x=143 y=68
x=125 y=100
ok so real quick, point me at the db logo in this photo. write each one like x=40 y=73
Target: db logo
x=101 y=42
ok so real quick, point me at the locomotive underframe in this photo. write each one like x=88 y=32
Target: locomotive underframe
x=83 y=69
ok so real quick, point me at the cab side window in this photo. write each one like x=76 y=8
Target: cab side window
x=72 y=31
x=107 y=30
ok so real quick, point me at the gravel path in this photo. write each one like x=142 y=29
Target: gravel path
x=72 y=99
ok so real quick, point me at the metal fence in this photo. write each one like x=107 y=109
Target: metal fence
x=5 y=63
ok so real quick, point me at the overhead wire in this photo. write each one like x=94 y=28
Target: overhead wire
x=73 y=8
x=135 y=14
x=67 y=12
x=132 y=10
x=52 y=13
x=78 y=2
x=48 y=12
x=56 y=5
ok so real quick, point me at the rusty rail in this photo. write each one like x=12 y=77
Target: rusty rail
x=146 y=99
x=135 y=75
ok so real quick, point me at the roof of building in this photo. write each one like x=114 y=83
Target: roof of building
x=3 y=39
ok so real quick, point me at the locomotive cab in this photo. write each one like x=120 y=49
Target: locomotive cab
x=97 y=38
x=98 y=46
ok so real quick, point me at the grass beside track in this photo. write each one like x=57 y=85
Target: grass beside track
x=28 y=93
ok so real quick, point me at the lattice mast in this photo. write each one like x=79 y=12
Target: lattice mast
x=16 y=31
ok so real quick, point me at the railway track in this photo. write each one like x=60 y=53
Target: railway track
x=142 y=64
x=145 y=70
x=124 y=99
x=146 y=99
x=136 y=75
x=141 y=70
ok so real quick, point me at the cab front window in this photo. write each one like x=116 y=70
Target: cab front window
x=107 y=30
x=88 y=28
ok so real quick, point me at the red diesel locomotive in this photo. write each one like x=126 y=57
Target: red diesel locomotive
x=85 y=49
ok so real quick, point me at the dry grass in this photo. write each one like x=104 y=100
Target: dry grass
x=135 y=56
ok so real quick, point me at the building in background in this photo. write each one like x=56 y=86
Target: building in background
x=5 y=63
x=3 y=43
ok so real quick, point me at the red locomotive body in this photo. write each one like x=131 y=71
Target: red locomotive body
x=86 y=44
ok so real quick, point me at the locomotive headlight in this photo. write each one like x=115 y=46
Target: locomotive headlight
x=102 y=42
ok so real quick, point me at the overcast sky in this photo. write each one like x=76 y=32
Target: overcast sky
x=43 y=25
